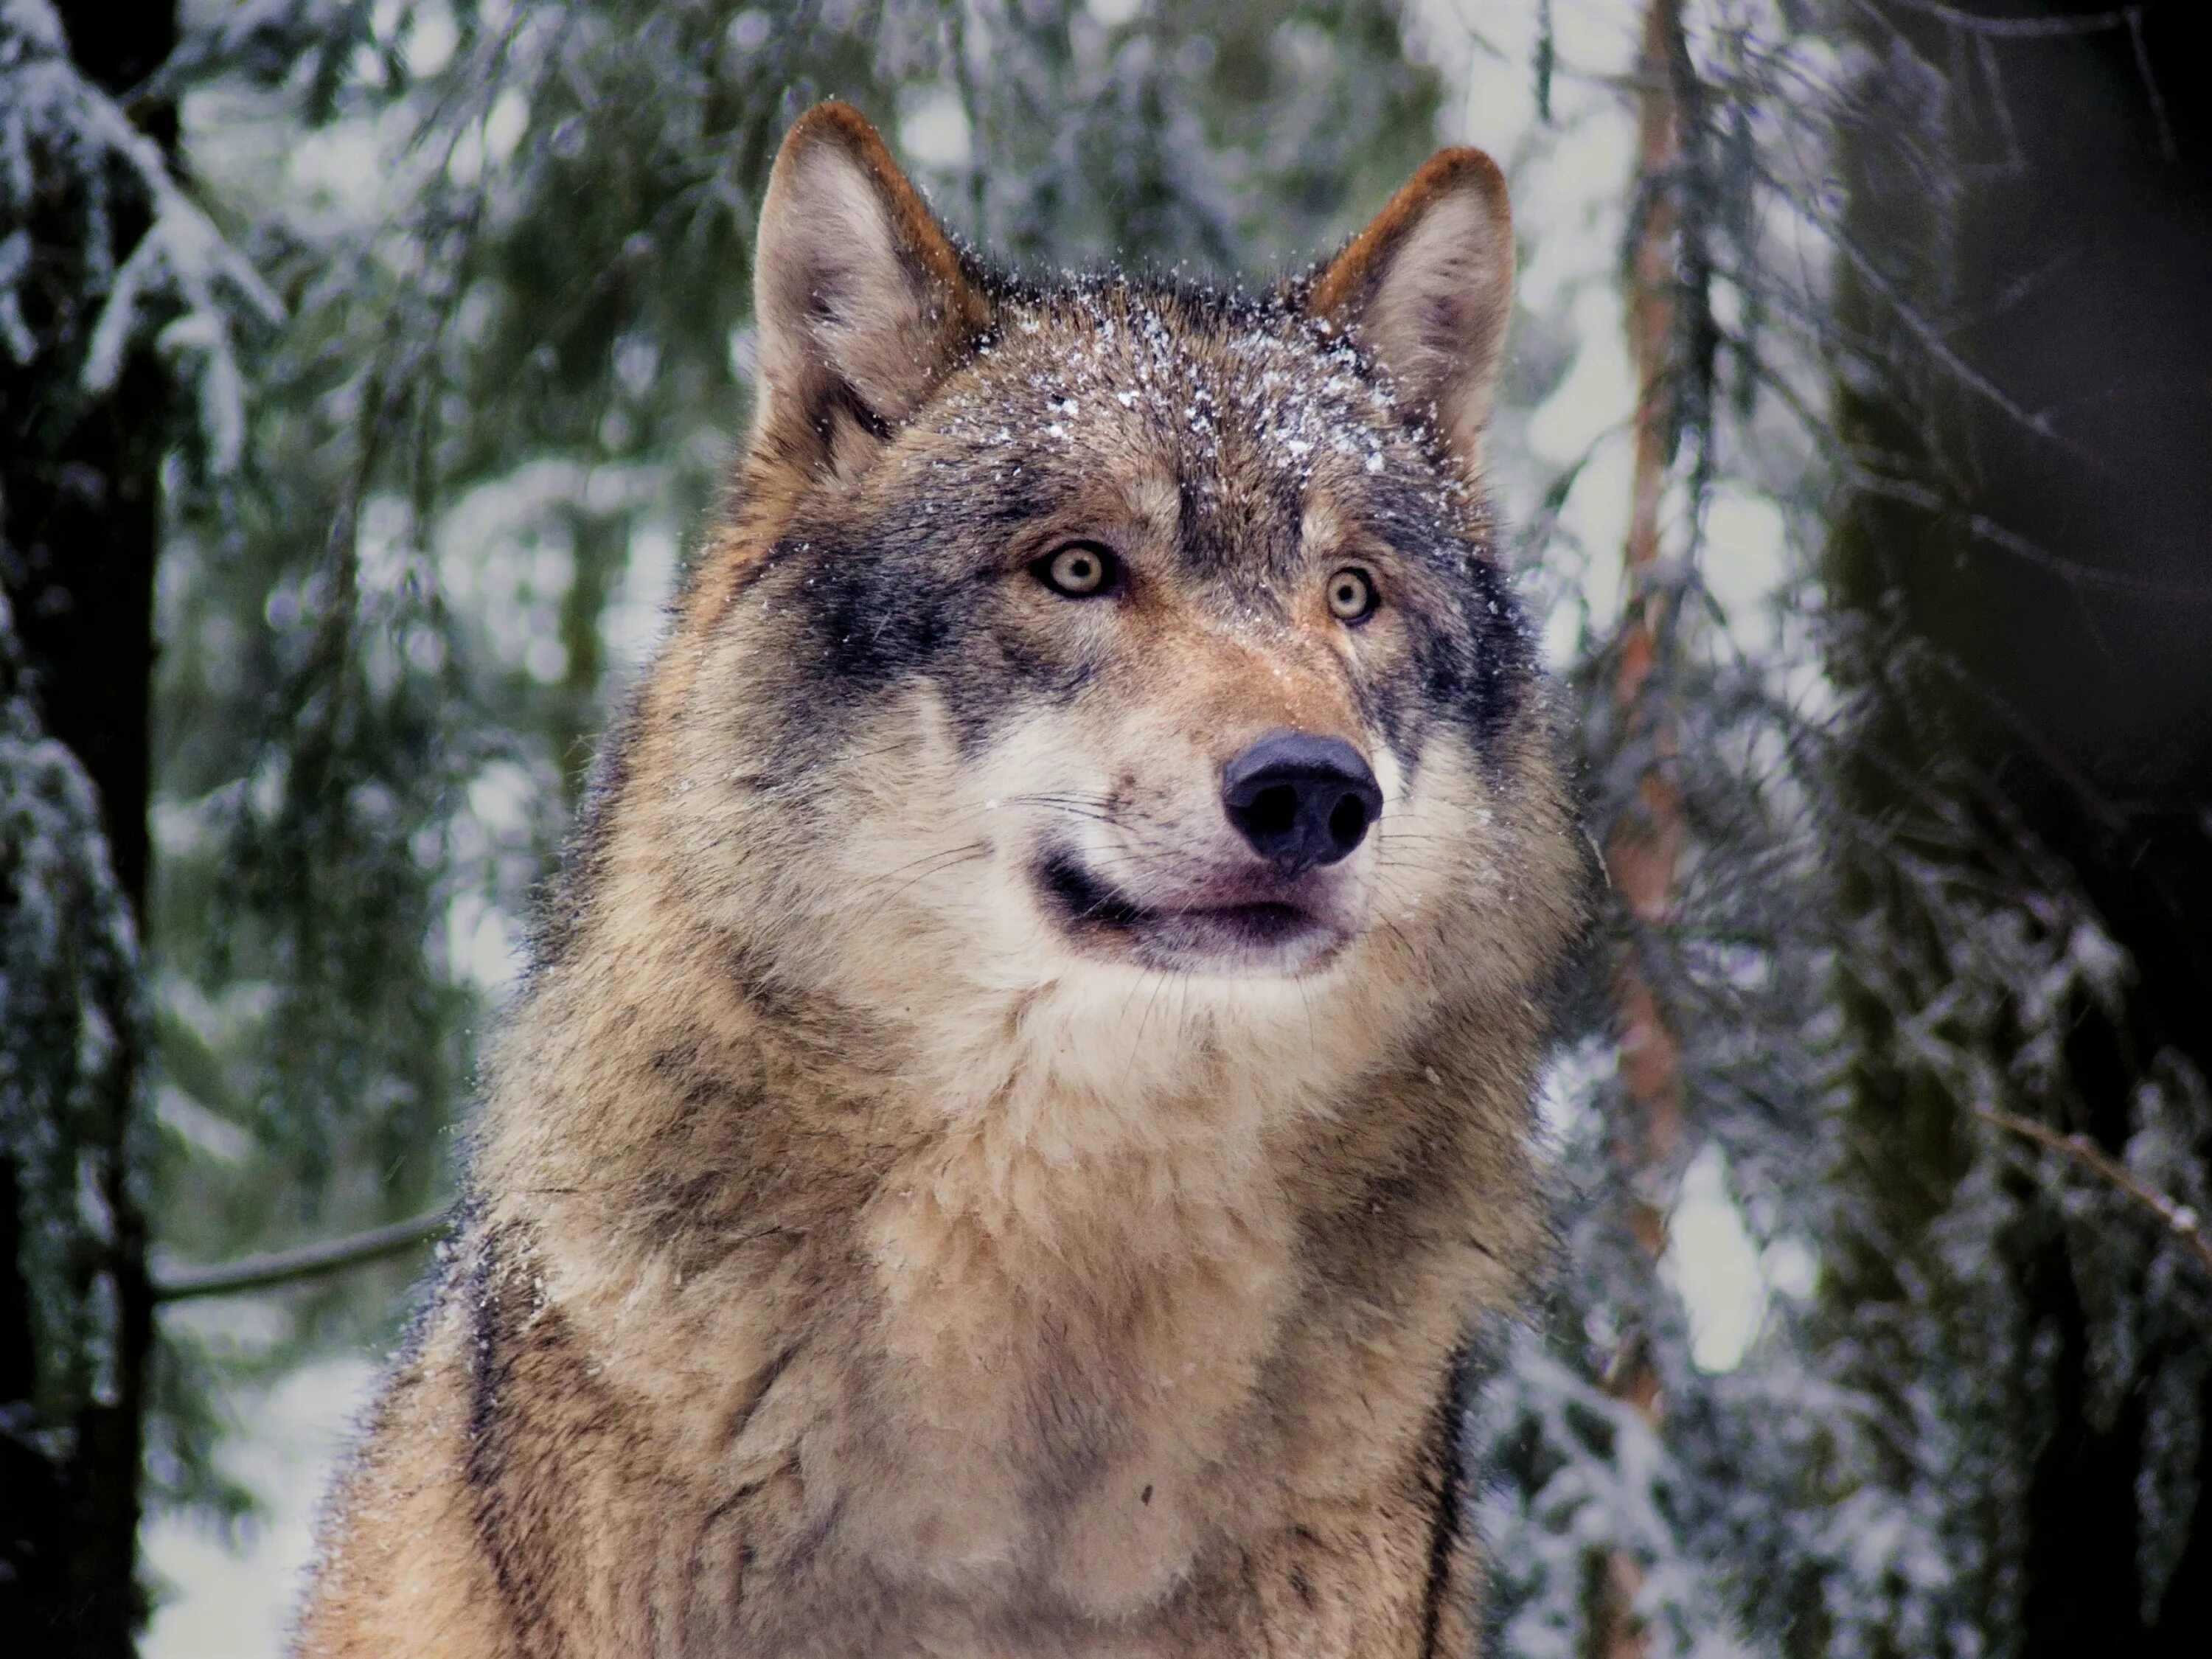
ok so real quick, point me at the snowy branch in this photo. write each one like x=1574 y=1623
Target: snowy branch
x=2178 y=1218
x=181 y=252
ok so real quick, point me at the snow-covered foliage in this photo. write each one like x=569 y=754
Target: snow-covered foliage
x=71 y=1002
x=181 y=270
x=105 y=257
x=1863 y=954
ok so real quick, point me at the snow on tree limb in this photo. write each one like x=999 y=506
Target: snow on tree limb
x=2177 y=1219
x=182 y=254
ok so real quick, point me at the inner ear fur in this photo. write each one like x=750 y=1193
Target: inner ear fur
x=862 y=301
x=1427 y=289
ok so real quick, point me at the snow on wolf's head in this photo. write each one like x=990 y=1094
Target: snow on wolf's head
x=1107 y=673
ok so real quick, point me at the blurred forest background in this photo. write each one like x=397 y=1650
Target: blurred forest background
x=368 y=367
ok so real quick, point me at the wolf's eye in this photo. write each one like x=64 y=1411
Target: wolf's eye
x=1352 y=596
x=1081 y=570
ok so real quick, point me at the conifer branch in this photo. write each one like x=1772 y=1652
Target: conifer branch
x=256 y=1273
x=2179 y=1219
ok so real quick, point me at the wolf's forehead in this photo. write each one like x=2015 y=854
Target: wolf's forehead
x=1123 y=375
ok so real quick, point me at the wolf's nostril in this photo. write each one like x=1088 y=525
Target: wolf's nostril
x=1272 y=812
x=1301 y=801
x=1348 y=822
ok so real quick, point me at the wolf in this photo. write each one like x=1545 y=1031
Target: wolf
x=1025 y=1087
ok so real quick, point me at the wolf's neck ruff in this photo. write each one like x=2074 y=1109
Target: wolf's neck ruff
x=1030 y=1085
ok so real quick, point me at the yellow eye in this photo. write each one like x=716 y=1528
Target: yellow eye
x=1352 y=596
x=1079 y=570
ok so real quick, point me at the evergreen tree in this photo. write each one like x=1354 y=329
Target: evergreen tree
x=93 y=231
x=2019 y=555
x=1933 y=910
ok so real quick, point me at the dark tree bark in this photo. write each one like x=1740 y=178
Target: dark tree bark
x=2064 y=577
x=81 y=482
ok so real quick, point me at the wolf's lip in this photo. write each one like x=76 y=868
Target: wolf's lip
x=1255 y=933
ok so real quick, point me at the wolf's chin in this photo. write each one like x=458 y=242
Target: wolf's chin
x=1250 y=938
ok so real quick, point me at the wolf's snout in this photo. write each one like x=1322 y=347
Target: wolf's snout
x=1301 y=801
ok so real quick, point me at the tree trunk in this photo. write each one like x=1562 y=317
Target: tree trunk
x=2059 y=577
x=1644 y=846
x=82 y=506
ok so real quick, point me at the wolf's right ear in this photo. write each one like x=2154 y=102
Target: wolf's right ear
x=1427 y=289
x=863 y=302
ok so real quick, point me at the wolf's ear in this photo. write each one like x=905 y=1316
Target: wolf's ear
x=1428 y=287
x=863 y=302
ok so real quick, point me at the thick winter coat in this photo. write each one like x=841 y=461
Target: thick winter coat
x=1027 y=1082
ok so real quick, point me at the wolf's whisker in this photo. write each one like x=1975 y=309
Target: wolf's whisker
x=938 y=862
x=1077 y=796
x=896 y=870
x=1413 y=866
x=950 y=864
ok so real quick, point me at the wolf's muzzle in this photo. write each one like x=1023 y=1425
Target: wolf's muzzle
x=1301 y=801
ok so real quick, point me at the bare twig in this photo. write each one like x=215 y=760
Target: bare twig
x=256 y=1273
x=2178 y=1218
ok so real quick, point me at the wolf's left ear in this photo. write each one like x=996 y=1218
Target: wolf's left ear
x=1428 y=287
x=863 y=302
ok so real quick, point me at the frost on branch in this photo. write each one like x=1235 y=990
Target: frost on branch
x=55 y=124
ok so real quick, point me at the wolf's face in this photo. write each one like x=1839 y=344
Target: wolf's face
x=1186 y=632
x=1115 y=642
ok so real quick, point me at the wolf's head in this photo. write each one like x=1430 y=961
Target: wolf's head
x=1109 y=670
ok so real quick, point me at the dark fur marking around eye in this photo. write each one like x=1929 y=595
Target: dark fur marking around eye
x=911 y=596
x=1492 y=693
x=875 y=617
x=1474 y=658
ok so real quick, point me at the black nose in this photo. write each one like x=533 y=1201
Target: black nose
x=1301 y=801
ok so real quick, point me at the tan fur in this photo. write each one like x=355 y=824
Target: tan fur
x=859 y=1268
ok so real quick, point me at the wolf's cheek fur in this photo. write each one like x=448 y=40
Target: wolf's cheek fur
x=899 y=866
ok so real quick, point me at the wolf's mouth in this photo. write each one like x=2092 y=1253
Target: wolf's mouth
x=1247 y=934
